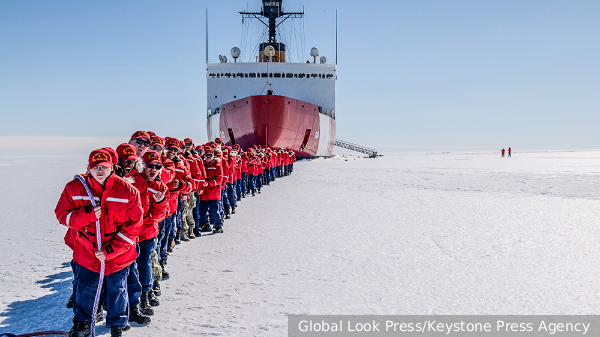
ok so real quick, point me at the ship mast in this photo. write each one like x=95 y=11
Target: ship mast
x=272 y=10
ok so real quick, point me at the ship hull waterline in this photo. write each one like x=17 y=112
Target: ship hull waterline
x=276 y=121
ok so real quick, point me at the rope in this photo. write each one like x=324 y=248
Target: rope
x=99 y=241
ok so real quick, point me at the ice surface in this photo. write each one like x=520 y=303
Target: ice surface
x=413 y=232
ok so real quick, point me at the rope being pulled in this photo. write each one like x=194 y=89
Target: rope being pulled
x=99 y=242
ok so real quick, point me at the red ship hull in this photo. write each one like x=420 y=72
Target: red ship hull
x=276 y=121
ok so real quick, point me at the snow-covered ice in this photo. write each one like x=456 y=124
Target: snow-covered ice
x=413 y=232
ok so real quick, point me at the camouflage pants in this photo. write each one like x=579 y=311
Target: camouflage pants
x=156 y=269
x=187 y=218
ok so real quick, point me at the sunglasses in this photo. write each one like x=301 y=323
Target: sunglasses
x=154 y=166
x=189 y=144
x=173 y=149
x=142 y=142
x=208 y=155
x=156 y=147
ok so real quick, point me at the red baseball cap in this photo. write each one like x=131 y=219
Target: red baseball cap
x=140 y=134
x=172 y=142
x=208 y=150
x=114 y=158
x=188 y=140
x=151 y=157
x=99 y=157
x=151 y=133
x=126 y=152
x=158 y=140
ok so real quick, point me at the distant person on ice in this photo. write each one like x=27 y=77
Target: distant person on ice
x=120 y=214
x=509 y=152
x=502 y=152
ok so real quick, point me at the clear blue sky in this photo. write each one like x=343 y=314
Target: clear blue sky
x=449 y=73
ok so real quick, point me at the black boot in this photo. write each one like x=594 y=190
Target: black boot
x=218 y=229
x=116 y=331
x=239 y=198
x=145 y=307
x=100 y=313
x=136 y=316
x=177 y=241
x=153 y=299
x=232 y=210
x=259 y=190
x=70 y=302
x=206 y=228
x=81 y=329
x=165 y=275
x=156 y=288
x=197 y=232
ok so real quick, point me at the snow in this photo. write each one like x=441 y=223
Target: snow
x=413 y=232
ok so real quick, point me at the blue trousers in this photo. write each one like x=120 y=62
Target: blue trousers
x=197 y=217
x=134 y=287
x=211 y=208
x=117 y=306
x=179 y=209
x=238 y=187
x=251 y=180
x=225 y=199
x=231 y=195
x=259 y=181
x=159 y=238
x=144 y=263
x=169 y=228
x=244 y=182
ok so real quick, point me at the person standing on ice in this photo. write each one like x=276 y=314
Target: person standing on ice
x=509 y=152
x=120 y=215
x=157 y=211
x=141 y=141
x=209 y=199
x=129 y=169
x=502 y=152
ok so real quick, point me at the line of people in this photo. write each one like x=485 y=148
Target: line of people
x=150 y=195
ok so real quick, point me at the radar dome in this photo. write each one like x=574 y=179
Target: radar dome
x=323 y=59
x=269 y=51
x=314 y=52
x=235 y=52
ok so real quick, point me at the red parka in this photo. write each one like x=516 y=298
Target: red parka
x=120 y=223
x=157 y=211
x=214 y=177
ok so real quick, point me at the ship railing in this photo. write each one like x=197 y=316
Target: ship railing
x=372 y=153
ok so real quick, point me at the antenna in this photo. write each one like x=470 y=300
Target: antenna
x=336 y=37
x=207 y=36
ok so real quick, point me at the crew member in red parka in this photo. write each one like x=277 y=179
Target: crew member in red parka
x=120 y=214
x=158 y=210
x=231 y=195
x=130 y=169
x=226 y=176
x=180 y=186
x=167 y=174
x=209 y=199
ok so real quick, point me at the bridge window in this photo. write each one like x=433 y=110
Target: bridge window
x=277 y=75
x=295 y=75
x=263 y=75
x=270 y=74
x=227 y=75
x=213 y=75
x=289 y=75
x=329 y=76
x=218 y=75
x=252 y=75
x=313 y=75
x=240 y=75
x=301 y=75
